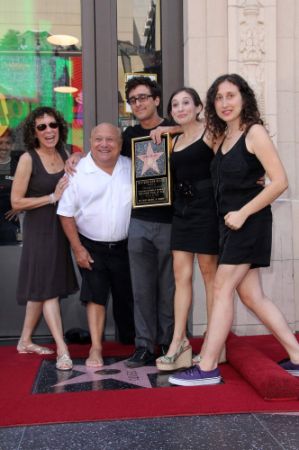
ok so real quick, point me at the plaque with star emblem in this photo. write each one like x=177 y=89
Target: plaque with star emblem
x=151 y=176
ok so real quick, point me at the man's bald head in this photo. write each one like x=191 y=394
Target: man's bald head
x=106 y=142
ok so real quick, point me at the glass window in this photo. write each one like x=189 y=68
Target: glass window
x=41 y=64
x=139 y=47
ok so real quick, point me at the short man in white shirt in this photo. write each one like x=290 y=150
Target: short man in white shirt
x=95 y=212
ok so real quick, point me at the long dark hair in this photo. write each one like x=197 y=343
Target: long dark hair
x=250 y=114
x=29 y=137
x=193 y=94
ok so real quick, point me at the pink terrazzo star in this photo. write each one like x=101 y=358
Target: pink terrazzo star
x=150 y=159
x=117 y=371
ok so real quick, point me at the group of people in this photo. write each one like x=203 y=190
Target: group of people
x=221 y=213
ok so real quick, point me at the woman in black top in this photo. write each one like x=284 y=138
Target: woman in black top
x=195 y=223
x=245 y=153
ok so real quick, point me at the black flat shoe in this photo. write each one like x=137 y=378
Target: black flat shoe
x=141 y=357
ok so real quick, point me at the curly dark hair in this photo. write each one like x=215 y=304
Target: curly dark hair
x=29 y=135
x=250 y=114
x=193 y=94
x=153 y=86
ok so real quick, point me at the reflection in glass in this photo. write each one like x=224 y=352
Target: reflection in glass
x=31 y=68
x=139 y=47
x=10 y=230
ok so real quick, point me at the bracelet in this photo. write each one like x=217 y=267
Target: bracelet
x=52 y=198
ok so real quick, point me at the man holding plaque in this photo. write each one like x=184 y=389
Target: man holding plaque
x=149 y=237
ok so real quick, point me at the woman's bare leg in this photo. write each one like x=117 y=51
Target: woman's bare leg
x=32 y=316
x=208 y=267
x=251 y=293
x=183 y=271
x=226 y=280
x=51 y=310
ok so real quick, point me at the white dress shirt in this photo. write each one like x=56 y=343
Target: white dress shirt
x=100 y=203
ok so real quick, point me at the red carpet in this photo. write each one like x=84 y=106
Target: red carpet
x=236 y=395
x=259 y=370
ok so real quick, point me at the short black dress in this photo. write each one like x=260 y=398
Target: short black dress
x=195 y=222
x=235 y=176
x=46 y=268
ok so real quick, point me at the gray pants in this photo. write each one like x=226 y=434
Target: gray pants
x=152 y=282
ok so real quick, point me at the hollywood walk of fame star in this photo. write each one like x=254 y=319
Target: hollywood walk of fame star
x=149 y=159
x=116 y=371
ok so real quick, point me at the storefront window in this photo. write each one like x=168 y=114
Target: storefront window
x=139 y=47
x=41 y=64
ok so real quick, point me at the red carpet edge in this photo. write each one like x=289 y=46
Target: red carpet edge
x=265 y=375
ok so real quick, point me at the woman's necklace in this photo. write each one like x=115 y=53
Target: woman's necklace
x=192 y=137
x=52 y=160
x=230 y=133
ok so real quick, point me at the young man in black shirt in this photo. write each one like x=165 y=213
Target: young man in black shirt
x=149 y=237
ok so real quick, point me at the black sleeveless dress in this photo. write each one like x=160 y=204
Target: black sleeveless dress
x=46 y=268
x=195 y=222
x=235 y=176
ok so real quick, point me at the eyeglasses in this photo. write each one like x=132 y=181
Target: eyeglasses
x=141 y=98
x=43 y=126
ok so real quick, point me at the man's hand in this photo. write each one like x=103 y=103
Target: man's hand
x=83 y=258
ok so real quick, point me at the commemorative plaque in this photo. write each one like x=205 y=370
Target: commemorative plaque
x=151 y=177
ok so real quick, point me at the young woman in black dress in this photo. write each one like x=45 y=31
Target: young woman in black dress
x=246 y=152
x=195 y=222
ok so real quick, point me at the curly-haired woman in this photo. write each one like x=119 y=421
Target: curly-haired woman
x=46 y=271
x=245 y=153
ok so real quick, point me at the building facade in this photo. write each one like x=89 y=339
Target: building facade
x=180 y=42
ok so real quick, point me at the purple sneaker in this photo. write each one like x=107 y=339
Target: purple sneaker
x=290 y=367
x=196 y=377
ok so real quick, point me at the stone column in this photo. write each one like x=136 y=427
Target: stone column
x=205 y=57
x=255 y=51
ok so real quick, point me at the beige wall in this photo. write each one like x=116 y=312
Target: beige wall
x=260 y=40
x=55 y=16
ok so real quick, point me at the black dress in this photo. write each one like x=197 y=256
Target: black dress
x=235 y=176
x=195 y=222
x=46 y=269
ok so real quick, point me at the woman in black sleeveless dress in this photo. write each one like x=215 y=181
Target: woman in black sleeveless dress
x=46 y=271
x=245 y=153
x=195 y=223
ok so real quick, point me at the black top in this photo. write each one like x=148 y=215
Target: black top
x=193 y=162
x=152 y=214
x=235 y=176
